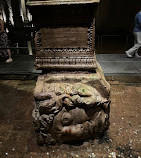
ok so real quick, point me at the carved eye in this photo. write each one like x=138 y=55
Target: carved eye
x=66 y=119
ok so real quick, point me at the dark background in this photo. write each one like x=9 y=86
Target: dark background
x=116 y=16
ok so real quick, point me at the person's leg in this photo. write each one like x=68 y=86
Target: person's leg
x=9 y=55
x=136 y=52
x=136 y=46
x=139 y=42
x=137 y=55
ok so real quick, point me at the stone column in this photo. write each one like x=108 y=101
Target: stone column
x=72 y=96
x=18 y=23
x=24 y=10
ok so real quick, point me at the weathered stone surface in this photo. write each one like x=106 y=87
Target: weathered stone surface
x=71 y=107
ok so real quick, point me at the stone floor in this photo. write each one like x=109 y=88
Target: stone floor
x=18 y=139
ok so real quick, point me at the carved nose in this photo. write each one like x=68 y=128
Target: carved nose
x=66 y=119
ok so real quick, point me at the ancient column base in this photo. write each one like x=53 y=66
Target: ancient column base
x=71 y=107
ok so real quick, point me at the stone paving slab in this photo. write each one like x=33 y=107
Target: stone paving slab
x=115 y=57
x=119 y=64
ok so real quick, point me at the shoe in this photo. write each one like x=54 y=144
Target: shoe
x=128 y=55
x=9 y=60
x=137 y=55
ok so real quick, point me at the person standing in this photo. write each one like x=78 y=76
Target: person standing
x=4 y=44
x=137 y=35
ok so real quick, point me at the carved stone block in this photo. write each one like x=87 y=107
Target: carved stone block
x=71 y=107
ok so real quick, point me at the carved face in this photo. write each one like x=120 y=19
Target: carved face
x=77 y=124
x=77 y=113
